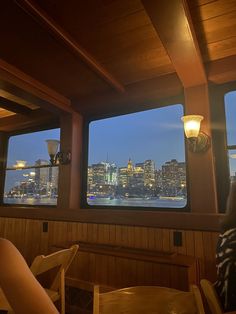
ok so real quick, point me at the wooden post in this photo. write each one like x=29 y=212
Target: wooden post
x=69 y=186
x=201 y=168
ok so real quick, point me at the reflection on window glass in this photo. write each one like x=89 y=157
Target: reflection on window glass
x=30 y=179
x=138 y=160
x=230 y=113
x=232 y=164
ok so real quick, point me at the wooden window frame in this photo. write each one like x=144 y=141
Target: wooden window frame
x=3 y=165
x=84 y=203
x=208 y=220
x=219 y=140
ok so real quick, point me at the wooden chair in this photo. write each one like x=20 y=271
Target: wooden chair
x=148 y=299
x=211 y=297
x=60 y=262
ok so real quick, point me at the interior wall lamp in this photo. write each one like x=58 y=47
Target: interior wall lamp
x=56 y=156
x=197 y=141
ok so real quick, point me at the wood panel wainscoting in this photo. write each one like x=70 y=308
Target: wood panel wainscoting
x=34 y=237
x=118 y=267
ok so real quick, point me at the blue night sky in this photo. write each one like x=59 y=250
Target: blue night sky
x=155 y=134
x=30 y=147
x=230 y=113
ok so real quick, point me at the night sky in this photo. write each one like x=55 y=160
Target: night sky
x=230 y=112
x=155 y=134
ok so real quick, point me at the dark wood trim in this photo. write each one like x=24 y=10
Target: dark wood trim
x=174 y=26
x=13 y=106
x=20 y=122
x=138 y=96
x=160 y=257
x=132 y=217
x=31 y=8
x=222 y=71
x=3 y=162
x=24 y=86
x=219 y=141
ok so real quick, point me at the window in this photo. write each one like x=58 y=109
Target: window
x=138 y=160
x=223 y=113
x=230 y=115
x=30 y=179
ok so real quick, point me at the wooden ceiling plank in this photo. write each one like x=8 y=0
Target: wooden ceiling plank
x=18 y=122
x=18 y=100
x=218 y=28
x=13 y=106
x=31 y=8
x=221 y=49
x=222 y=71
x=172 y=21
x=217 y=8
x=5 y=113
x=138 y=96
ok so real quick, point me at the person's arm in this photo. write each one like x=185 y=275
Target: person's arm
x=22 y=290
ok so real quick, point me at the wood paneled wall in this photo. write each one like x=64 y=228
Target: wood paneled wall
x=29 y=238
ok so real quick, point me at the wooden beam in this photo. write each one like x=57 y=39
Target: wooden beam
x=20 y=122
x=13 y=106
x=18 y=100
x=31 y=8
x=222 y=71
x=173 y=24
x=12 y=78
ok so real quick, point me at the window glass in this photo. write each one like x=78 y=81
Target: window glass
x=230 y=113
x=138 y=160
x=232 y=164
x=30 y=178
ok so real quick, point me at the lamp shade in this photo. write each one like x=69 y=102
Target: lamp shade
x=20 y=164
x=192 y=125
x=52 y=147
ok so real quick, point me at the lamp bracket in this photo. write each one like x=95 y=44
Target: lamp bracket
x=63 y=158
x=199 y=144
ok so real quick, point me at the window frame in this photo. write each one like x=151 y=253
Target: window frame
x=219 y=141
x=7 y=136
x=84 y=204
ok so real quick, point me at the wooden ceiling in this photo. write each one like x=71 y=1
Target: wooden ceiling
x=107 y=55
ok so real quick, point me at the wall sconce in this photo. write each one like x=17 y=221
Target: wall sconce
x=57 y=157
x=20 y=164
x=197 y=141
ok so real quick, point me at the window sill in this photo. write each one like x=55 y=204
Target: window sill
x=169 y=220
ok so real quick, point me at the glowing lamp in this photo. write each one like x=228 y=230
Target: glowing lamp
x=197 y=141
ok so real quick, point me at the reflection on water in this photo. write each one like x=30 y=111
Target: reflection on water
x=31 y=201
x=171 y=203
x=135 y=202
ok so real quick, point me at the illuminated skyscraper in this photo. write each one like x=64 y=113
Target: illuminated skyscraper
x=149 y=173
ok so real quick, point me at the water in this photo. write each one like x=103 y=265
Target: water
x=137 y=202
x=31 y=201
x=129 y=202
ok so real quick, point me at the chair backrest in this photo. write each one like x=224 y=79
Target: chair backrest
x=59 y=260
x=147 y=299
x=198 y=298
x=211 y=297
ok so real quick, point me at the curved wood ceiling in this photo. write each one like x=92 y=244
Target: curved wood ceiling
x=120 y=36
